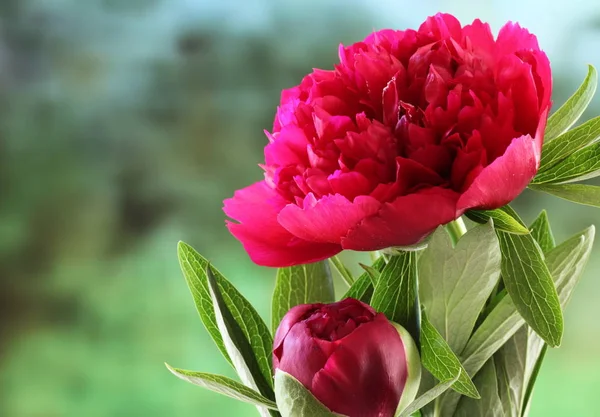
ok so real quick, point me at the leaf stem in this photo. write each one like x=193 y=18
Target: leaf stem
x=456 y=229
x=344 y=273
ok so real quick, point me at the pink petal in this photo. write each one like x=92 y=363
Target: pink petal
x=361 y=377
x=287 y=147
x=442 y=26
x=504 y=179
x=256 y=208
x=302 y=355
x=404 y=221
x=291 y=318
x=479 y=36
x=512 y=38
x=328 y=219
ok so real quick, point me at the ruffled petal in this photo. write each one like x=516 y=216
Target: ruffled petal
x=504 y=179
x=512 y=38
x=269 y=244
x=404 y=221
x=328 y=219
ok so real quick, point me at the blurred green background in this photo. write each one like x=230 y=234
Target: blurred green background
x=123 y=126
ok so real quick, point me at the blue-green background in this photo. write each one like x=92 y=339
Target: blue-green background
x=125 y=123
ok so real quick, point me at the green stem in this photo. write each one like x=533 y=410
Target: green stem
x=456 y=229
x=344 y=273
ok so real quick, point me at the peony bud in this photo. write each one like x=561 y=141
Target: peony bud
x=352 y=359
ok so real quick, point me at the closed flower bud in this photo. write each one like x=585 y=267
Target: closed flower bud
x=352 y=359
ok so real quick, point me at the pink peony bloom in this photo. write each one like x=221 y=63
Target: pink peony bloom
x=410 y=130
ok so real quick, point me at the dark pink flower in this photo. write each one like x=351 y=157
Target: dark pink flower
x=351 y=358
x=410 y=130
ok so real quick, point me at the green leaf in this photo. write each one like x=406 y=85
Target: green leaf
x=342 y=270
x=566 y=263
x=569 y=113
x=395 y=292
x=588 y=195
x=223 y=385
x=504 y=320
x=194 y=267
x=519 y=360
x=499 y=326
x=373 y=273
x=569 y=142
x=301 y=284
x=454 y=283
x=580 y=165
x=511 y=362
x=569 y=260
x=294 y=400
x=428 y=397
x=238 y=347
x=502 y=220
x=571 y=257
x=438 y=358
x=541 y=232
x=490 y=404
x=529 y=283
x=362 y=289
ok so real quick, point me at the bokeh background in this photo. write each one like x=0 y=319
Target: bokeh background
x=125 y=123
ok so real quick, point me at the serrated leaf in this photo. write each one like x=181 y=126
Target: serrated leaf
x=294 y=400
x=541 y=232
x=395 y=292
x=428 y=397
x=362 y=289
x=569 y=142
x=438 y=358
x=223 y=385
x=580 y=165
x=301 y=284
x=454 y=283
x=530 y=285
x=588 y=195
x=489 y=405
x=344 y=272
x=194 y=267
x=502 y=220
x=238 y=347
x=569 y=113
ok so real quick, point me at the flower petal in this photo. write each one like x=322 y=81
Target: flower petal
x=256 y=208
x=404 y=221
x=512 y=38
x=328 y=219
x=292 y=317
x=361 y=377
x=505 y=178
x=302 y=355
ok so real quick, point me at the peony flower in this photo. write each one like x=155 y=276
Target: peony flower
x=410 y=130
x=352 y=359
